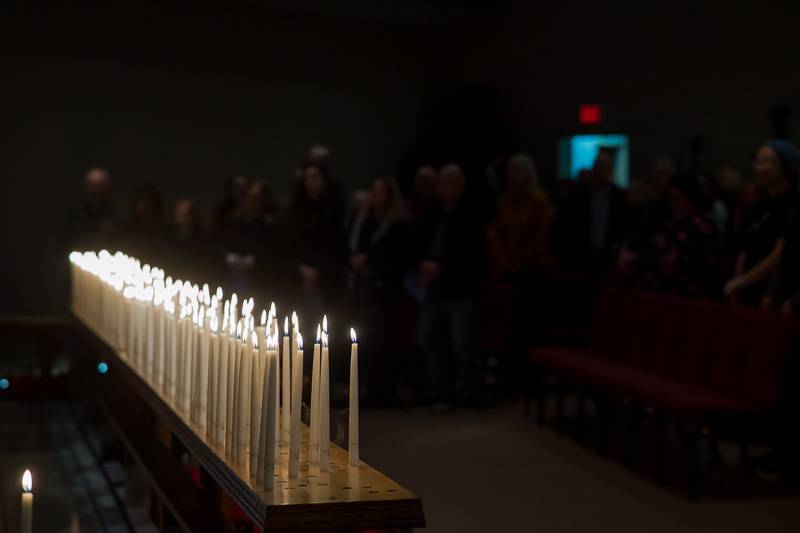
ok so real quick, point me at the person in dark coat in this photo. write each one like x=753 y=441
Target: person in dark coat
x=251 y=246
x=759 y=242
x=684 y=257
x=588 y=227
x=187 y=251
x=313 y=237
x=451 y=275
x=144 y=236
x=94 y=225
x=378 y=247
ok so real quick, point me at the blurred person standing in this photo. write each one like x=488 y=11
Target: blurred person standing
x=250 y=246
x=186 y=247
x=93 y=225
x=684 y=258
x=378 y=246
x=451 y=272
x=313 y=232
x=519 y=234
x=759 y=242
x=232 y=208
x=421 y=203
x=588 y=228
x=144 y=234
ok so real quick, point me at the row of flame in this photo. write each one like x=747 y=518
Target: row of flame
x=148 y=284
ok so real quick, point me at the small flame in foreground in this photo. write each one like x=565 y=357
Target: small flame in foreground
x=27 y=481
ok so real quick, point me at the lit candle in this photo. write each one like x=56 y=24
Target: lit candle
x=233 y=348
x=313 y=434
x=160 y=337
x=353 y=429
x=197 y=364
x=172 y=351
x=277 y=405
x=269 y=411
x=241 y=416
x=233 y=381
x=286 y=389
x=220 y=405
x=26 y=513
x=212 y=378
x=324 y=403
x=150 y=326
x=202 y=371
x=297 y=395
x=256 y=390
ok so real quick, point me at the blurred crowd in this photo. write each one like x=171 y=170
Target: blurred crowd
x=453 y=265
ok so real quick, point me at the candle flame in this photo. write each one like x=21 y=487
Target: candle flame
x=27 y=481
x=353 y=336
x=324 y=339
x=239 y=328
x=272 y=309
x=214 y=323
x=319 y=330
x=286 y=325
x=219 y=293
x=272 y=342
x=294 y=320
x=325 y=323
x=263 y=317
x=254 y=340
x=234 y=299
x=299 y=341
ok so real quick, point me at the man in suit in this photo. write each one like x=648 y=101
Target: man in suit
x=588 y=226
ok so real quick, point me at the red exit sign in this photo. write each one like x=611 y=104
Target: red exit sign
x=589 y=114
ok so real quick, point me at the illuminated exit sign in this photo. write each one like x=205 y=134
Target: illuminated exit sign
x=589 y=114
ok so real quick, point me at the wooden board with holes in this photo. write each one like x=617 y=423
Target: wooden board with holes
x=345 y=498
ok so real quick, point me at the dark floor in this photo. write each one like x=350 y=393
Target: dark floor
x=496 y=470
x=71 y=492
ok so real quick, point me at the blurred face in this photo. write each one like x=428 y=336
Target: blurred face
x=379 y=194
x=183 y=216
x=313 y=182
x=663 y=170
x=637 y=193
x=603 y=169
x=425 y=183
x=97 y=186
x=144 y=208
x=767 y=168
x=239 y=189
x=450 y=186
x=681 y=206
x=254 y=203
x=518 y=179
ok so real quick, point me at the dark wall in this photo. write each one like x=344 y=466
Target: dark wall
x=186 y=102
x=664 y=73
x=187 y=98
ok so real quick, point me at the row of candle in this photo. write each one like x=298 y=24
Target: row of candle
x=239 y=387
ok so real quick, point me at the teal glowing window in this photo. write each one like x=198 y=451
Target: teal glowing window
x=578 y=152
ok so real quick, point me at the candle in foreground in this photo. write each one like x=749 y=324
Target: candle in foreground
x=313 y=425
x=267 y=437
x=324 y=404
x=26 y=513
x=286 y=390
x=353 y=429
x=297 y=394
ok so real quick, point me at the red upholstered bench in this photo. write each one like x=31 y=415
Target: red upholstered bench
x=685 y=359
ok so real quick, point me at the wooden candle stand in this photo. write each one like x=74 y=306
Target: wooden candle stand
x=345 y=498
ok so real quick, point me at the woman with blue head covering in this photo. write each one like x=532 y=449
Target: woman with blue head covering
x=760 y=241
